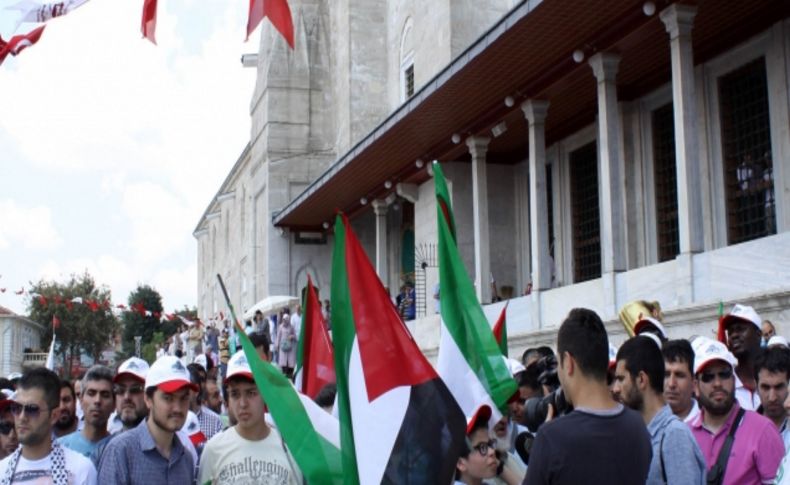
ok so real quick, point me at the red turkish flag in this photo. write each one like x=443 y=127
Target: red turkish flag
x=18 y=43
x=279 y=14
x=148 y=27
x=55 y=322
x=42 y=300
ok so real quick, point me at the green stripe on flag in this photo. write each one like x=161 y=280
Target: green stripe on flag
x=462 y=314
x=343 y=335
x=318 y=459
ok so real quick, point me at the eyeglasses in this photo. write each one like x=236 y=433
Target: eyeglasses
x=6 y=427
x=31 y=410
x=485 y=447
x=132 y=390
x=707 y=377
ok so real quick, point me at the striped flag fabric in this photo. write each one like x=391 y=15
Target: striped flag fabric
x=311 y=434
x=36 y=11
x=470 y=360
x=398 y=421
x=315 y=360
x=500 y=330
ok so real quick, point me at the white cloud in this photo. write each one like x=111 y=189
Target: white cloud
x=24 y=227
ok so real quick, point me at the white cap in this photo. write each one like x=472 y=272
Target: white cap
x=14 y=375
x=132 y=367
x=743 y=312
x=238 y=366
x=643 y=321
x=169 y=374
x=777 y=340
x=201 y=361
x=652 y=337
x=483 y=412
x=514 y=366
x=192 y=429
x=707 y=350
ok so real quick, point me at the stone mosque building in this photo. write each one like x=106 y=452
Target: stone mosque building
x=597 y=151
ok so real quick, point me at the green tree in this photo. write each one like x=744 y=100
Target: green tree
x=85 y=327
x=143 y=318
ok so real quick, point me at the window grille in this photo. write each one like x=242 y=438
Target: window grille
x=408 y=79
x=586 y=218
x=666 y=187
x=746 y=148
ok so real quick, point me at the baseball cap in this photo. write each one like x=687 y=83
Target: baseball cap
x=7 y=397
x=707 y=350
x=201 y=361
x=169 y=374
x=483 y=413
x=514 y=366
x=14 y=376
x=745 y=313
x=238 y=366
x=777 y=340
x=192 y=429
x=643 y=322
x=133 y=367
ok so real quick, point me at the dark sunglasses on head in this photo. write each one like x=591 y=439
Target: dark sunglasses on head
x=133 y=390
x=484 y=447
x=707 y=377
x=31 y=410
x=6 y=427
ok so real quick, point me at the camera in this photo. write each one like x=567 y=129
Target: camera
x=536 y=409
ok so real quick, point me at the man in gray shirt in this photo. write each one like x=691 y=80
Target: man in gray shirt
x=639 y=381
x=151 y=453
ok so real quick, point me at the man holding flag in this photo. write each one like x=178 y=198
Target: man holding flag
x=251 y=450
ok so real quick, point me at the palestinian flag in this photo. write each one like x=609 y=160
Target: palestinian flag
x=399 y=423
x=315 y=360
x=312 y=434
x=470 y=361
x=500 y=331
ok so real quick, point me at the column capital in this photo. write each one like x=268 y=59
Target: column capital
x=478 y=145
x=679 y=19
x=605 y=65
x=535 y=110
x=380 y=207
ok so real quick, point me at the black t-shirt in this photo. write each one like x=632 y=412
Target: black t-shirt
x=590 y=448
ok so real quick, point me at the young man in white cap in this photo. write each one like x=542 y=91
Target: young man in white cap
x=151 y=453
x=744 y=334
x=251 y=451
x=740 y=445
x=36 y=408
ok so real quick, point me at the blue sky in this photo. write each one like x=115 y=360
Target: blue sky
x=111 y=147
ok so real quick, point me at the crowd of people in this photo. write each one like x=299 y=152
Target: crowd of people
x=655 y=411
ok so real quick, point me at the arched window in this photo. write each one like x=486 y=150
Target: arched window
x=406 y=61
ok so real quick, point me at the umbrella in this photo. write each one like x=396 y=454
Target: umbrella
x=269 y=305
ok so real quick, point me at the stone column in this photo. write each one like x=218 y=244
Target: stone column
x=380 y=209
x=478 y=146
x=610 y=165
x=679 y=20
x=535 y=112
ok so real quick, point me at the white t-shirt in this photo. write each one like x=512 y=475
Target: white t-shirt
x=228 y=458
x=39 y=472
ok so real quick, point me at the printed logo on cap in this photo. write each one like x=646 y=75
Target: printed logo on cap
x=178 y=366
x=133 y=365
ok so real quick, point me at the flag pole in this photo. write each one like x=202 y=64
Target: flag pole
x=236 y=323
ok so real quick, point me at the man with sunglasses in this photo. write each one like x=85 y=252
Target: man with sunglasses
x=39 y=459
x=755 y=447
x=151 y=453
x=98 y=401
x=8 y=439
x=129 y=387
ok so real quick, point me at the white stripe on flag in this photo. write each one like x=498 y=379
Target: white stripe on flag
x=324 y=423
x=462 y=382
x=51 y=356
x=376 y=424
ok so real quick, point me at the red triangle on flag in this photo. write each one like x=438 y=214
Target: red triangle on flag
x=390 y=356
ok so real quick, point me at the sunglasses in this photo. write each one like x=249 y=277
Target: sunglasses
x=132 y=390
x=6 y=427
x=707 y=377
x=31 y=410
x=485 y=447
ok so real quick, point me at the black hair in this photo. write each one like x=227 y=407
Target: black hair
x=641 y=354
x=679 y=350
x=6 y=384
x=65 y=383
x=529 y=378
x=98 y=373
x=583 y=335
x=541 y=352
x=259 y=339
x=150 y=391
x=326 y=396
x=44 y=379
x=774 y=359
